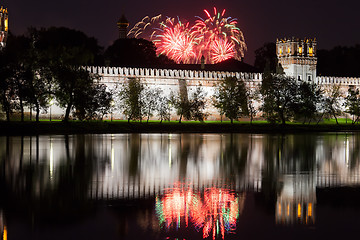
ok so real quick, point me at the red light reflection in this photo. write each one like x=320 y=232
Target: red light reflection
x=214 y=213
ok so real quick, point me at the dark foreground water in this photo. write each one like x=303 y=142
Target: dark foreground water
x=180 y=186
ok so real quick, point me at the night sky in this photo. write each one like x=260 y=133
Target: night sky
x=332 y=22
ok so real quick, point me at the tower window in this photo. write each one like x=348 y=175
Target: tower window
x=300 y=50
x=311 y=51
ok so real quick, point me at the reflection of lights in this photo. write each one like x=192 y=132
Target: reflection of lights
x=51 y=160
x=112 y=153
x=299 y=210
x=216 y=213
x=309 y=209
x=5 y=233
x=288 y=210
x=347 y=147
x=169 y=155
x=279 y=209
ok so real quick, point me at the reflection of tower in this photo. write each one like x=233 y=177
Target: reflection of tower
x=123 y=24
x=298 y=57
x=296 y=202
x=4 y=26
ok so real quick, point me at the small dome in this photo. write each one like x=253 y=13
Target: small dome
x=123 y=21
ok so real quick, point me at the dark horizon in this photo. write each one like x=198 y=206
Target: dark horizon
x=330 y=22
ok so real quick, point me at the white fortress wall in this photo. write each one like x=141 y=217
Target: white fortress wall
x=168 y=81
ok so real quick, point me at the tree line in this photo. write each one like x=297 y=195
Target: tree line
x=279 y=98
x=47 y=65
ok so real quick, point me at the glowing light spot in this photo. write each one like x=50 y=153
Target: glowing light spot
x=309 y=209
x=5 y=233
x=311 y=51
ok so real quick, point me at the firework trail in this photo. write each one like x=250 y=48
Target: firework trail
x=215 y=37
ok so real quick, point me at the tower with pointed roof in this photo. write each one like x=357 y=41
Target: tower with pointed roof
x=123 y=24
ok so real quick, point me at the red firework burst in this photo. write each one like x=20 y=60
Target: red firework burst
x=176 y=42
x=216 y=37
x=221 y=50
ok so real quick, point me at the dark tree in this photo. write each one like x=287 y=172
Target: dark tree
x=197 y=104
x=7 y=92
x=94 y=102
x=309 y=97
x=15 y=81
x=133 y=52
x=72 y=86
x=231 y=98
x=180 y=101
x=130 y=96
x=150 y=101
x=279 y=95
x=163 y=108
x=66 y=52
x=63 y=46
x=330 y=103
x=191 y=108
x=352 y=103
x=266 y=59
x=340 y=61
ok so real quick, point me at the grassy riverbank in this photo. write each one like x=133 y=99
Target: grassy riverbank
x=76 y=127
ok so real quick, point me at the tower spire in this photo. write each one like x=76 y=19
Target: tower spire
x=123 y=24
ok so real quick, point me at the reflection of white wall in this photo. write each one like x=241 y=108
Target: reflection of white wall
x=160 y=164
x=333 y=161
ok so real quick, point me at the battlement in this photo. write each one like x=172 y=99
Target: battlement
x=172 y=73
x=345 y=81
x=201 y=75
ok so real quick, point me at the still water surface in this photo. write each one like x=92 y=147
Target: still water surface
x=180 y=186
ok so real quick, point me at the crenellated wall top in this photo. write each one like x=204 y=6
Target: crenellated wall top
x=171 y=73
x=128 y=72
x=338 y=80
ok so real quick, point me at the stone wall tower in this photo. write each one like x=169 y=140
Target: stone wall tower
x=4 y=26
x=123 y=24
x=298 y=57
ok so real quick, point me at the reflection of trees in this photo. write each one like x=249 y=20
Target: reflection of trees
x=61 y=192
x=354 y=152
x=190 y=146
x=286 y=154
x=135 y=154
x=234 y=154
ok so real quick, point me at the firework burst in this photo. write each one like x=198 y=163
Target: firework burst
x=176 y=41
x=221 y=50
x=215 y=37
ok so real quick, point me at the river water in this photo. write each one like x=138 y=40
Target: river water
x=180 y=186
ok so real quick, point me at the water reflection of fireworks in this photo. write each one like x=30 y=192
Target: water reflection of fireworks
x=214 y=211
